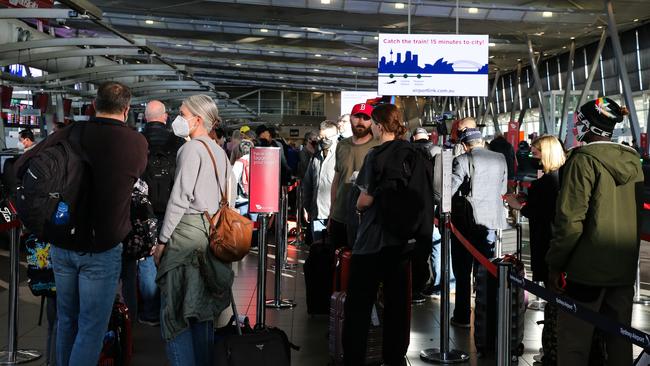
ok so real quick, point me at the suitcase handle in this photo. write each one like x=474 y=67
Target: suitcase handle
x=234 y=311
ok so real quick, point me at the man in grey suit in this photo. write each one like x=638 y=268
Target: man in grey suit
x=479 y=180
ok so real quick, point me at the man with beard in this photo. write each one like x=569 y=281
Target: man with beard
x=350 y=153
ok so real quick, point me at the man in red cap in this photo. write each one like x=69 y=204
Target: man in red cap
x=350 y=153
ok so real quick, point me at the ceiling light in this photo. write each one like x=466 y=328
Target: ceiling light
x=492 y=44
x=564 y=47
x=271 y=52
x=325 y=2
x=547 y=14
x=313 y=87
x=600 y=27
x=314 y=80
x=491 y=56
x=364 y=58
x=264 y=30
x=316 y=70
x=573 y=38
x=237 y=64
x=284 y=86
x=376 y=38
x=399 y=5
x=318 y=55
x=472 y=10
x=149 y=21
x=636 y=20
x=178 y=44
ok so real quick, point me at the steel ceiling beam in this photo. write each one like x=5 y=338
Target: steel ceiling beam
x=193 y=87
x=545 y=117
x=67 y=42
x=82 y=52
x=567 y=91
x=102 y=69
x=165 y=85
x=36 y=13
x=105 y=76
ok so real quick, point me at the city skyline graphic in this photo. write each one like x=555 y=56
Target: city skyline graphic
x=409 y=65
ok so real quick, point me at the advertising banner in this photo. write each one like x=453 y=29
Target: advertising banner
x=433 y=64
x=31 y=4
x=264 y=180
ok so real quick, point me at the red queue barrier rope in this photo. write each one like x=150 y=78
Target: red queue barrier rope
x=9 y=225
x=473 y=251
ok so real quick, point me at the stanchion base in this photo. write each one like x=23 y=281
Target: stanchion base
x=21 y=356
x=434 y=355
x=642 y=300
x=290 y=265
x=537 y=305
x=280 y=304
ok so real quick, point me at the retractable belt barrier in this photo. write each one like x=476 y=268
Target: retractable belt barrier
x=564 y=303
x=9 y=225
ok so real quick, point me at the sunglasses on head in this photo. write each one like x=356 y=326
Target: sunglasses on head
x=364 y=117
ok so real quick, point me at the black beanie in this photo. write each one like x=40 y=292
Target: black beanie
x=603 y=113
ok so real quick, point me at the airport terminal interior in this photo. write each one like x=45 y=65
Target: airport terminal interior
x=520 y=68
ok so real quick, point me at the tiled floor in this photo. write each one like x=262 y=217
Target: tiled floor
x=309 y=332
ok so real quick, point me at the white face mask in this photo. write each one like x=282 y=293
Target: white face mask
x=181 y=127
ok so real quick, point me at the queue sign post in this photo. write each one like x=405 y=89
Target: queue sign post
x=264 y=199
x=14 y=356
x=442 y=183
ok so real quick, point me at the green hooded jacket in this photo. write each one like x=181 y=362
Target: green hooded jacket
x=596 y=228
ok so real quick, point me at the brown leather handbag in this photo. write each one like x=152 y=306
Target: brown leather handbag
x=230 y=233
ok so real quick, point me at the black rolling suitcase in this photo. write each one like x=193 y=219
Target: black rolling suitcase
x=319 y=270
x=485 y=308
x=266 y=346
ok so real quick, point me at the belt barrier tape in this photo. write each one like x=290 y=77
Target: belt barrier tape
x=564 y=303
x=9 y=225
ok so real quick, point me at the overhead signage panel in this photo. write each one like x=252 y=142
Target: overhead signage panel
x=433 y=64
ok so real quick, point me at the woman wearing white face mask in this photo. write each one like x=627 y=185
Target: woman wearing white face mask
x=194 y=285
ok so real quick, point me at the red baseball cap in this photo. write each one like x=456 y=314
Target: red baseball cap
x=362 y=108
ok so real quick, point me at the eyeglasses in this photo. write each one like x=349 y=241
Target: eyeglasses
x=362 y=116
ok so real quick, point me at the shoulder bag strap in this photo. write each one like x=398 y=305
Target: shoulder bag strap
x=470 y=161
x=216 y=173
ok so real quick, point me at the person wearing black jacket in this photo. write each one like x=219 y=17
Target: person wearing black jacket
x=501 y=145
x=163 y=148
x=539 y=208
x=87 y=271
x=378 y=255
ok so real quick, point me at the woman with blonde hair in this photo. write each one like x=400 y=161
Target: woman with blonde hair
x=194 y=284
x=539 y=208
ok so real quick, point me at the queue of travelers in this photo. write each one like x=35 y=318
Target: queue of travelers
x=581 y=210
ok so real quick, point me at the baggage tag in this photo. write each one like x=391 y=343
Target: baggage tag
x=374 y=317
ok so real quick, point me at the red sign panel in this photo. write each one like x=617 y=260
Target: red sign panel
x=32 y=4
x=513 y=134
x=264 y=180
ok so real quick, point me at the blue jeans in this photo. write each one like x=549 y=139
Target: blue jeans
x=85 y=284
x=436 y=262
x=193 y=346
x=318 y=229
x=149 y=292
x=50 y=353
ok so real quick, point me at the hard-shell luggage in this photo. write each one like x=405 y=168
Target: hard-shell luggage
x=485 y=307
x=342 y=257
x=118 y=341
x=337 y=317
x=318 y=270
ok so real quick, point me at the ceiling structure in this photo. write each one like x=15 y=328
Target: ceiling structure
x=229 y=48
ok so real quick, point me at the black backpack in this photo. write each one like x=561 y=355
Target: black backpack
x=405 y=190
x=59 y=173
x=159 y=174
